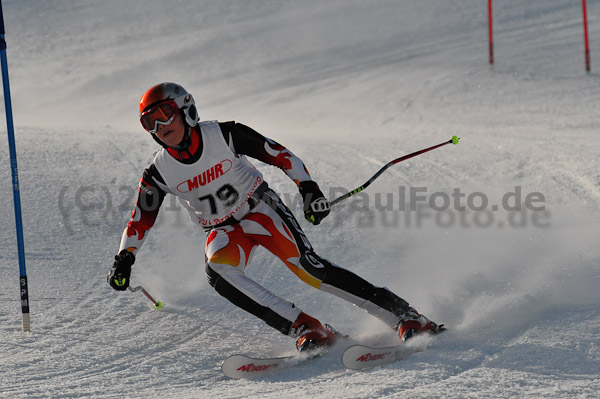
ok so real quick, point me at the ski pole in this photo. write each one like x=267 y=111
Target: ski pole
x=454 y=140
x=158 y=305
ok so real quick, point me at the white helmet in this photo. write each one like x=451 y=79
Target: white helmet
x=171 y=91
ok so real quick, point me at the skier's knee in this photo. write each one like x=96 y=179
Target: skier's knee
x=211 y=275
x=215 y=272
x=314 y=265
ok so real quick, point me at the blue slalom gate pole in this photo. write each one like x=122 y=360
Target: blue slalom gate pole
x=15 y=178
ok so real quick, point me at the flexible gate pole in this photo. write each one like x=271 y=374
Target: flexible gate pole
x=586 y=38
x=15 y=178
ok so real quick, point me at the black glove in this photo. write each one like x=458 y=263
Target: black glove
x=118 y=278
x=316 y=206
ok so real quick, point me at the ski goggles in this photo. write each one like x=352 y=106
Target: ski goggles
x=162 y=113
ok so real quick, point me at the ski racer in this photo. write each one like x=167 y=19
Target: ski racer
x=204 y=164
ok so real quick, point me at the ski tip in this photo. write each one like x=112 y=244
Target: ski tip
x=455 y=140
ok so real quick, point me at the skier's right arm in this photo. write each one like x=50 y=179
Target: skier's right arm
x=149 y=199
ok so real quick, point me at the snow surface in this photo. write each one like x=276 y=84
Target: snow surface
x=348 y=86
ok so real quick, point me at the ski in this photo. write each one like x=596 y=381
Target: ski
x=242 y=366
x=358 y=357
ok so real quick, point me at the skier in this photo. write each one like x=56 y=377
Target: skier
x=204 y=164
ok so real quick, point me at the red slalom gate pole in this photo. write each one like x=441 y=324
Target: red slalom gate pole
x=586 y=37
x=491 y=34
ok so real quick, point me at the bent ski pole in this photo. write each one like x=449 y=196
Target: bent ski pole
x=158 y=305
x=454 y=140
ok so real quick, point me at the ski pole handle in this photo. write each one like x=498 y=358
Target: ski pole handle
x=158 y=305
x=454 y=140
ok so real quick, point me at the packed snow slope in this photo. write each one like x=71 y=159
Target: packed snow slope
x=496 y=237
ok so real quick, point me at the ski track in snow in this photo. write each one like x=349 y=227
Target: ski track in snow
x=347 y=86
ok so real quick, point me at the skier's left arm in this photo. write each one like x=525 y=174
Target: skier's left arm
x=246 y=141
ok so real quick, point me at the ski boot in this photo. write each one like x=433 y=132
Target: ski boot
x=312 y=334
x=413 y=323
